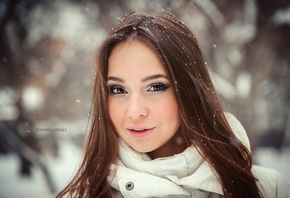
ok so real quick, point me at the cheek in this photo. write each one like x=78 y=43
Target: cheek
x=114 y=111
x=168 y=110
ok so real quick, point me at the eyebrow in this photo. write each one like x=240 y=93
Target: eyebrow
x=113 y=78
x=153 y=77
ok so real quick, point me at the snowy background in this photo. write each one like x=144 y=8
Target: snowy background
x=46 y=69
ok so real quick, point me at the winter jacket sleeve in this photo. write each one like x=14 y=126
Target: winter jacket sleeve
x=283 y=187
x=271 y=183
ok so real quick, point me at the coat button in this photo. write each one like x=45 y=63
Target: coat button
x=129 y=186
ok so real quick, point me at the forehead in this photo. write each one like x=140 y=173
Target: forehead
x=134 y=55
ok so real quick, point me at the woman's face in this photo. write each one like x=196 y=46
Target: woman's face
x=141 y=104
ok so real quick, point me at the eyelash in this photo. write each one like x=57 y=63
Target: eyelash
x=115 y=90
x=158 y=87
x=153 y=88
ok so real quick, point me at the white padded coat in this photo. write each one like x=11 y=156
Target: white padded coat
x=183 y=175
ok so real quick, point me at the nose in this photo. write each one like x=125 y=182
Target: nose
x=137 y=107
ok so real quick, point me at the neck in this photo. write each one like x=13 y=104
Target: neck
x=174 y=146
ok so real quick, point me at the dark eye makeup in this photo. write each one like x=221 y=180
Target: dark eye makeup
x=152 y=88
x=117 y=90
x=157 y=87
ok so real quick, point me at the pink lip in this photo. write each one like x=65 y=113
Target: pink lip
x=140 y=134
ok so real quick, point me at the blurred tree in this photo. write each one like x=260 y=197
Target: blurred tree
x=245 y=43
x=13 y=53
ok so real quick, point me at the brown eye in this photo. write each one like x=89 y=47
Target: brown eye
x=158 y=87
x=117 y=90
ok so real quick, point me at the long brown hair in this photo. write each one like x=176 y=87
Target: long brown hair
x=204 y=124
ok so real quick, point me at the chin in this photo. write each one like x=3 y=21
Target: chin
x=142 y=150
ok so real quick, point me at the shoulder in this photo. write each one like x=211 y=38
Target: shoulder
x=238 y=129
x=271 y=183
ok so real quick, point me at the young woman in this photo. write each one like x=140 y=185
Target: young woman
x=158 y=128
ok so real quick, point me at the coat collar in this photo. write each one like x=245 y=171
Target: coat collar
x=177 y=175
x=184 y=174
